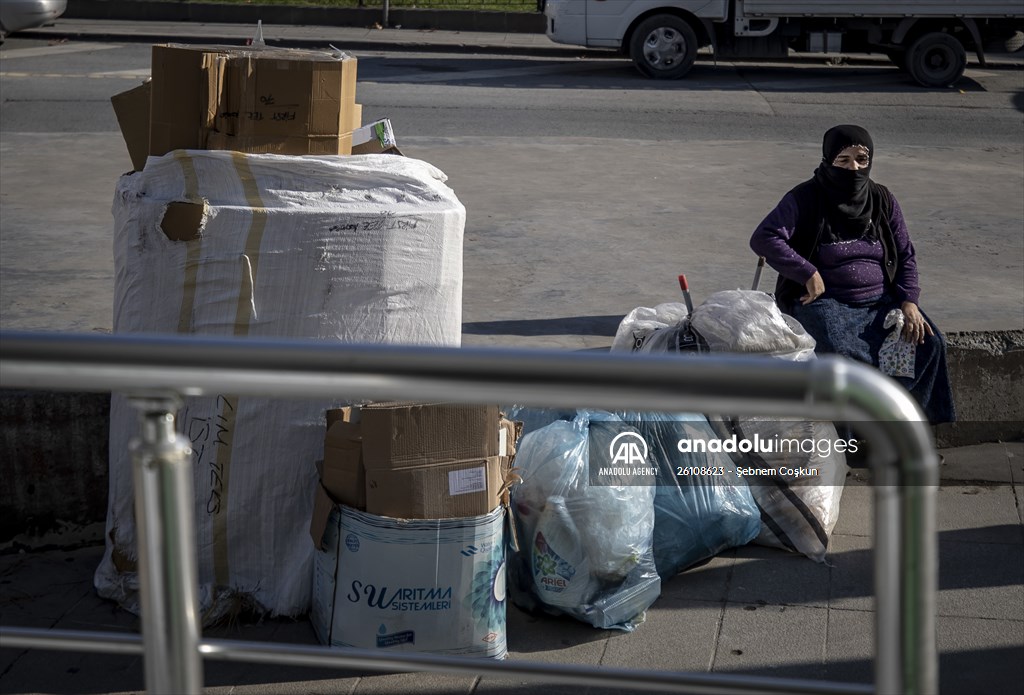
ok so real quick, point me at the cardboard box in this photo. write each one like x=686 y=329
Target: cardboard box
x=132 y=111
x=286 y=101
x=435 y=586
x=342 y=474
x=402 y=435
x=424 y=479
x=437 y=490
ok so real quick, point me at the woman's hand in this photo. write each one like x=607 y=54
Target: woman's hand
x=914 y=327
x=815 y=288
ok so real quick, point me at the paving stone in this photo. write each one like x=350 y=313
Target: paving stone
x=777 y=577
x=981 y=580
x=978 y=656
x=678 y=635
x=782 y=641
x=978 y=514
x=850 y=646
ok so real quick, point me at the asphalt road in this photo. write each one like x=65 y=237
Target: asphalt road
x=588 y=188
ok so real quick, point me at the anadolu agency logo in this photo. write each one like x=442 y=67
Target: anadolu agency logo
x=627 y=462
x=628 y=449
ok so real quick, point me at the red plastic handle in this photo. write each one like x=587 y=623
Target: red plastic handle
x=682 y=284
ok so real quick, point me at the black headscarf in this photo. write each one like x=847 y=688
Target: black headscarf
x=851 y=199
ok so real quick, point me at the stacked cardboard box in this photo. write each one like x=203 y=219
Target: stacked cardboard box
x=413 y=558
x=415 y=460
x=248 y=99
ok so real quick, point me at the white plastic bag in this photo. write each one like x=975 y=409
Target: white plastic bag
x=799 y=500
x=749 y=321
x=639 y=325
x=585 y=550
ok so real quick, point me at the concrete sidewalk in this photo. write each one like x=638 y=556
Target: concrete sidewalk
x=307 y=36
x=750 y=611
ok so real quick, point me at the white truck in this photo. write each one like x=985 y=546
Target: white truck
x=929 y=40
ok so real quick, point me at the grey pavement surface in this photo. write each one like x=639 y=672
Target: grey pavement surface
x=749 y=611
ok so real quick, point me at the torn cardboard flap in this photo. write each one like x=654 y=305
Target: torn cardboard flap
x=132 y=111
x=343 y=474
x=322 y=506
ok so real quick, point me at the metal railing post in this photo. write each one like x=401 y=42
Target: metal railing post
x=167 y=568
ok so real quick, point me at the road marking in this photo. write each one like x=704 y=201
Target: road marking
x=56 y=49
x=461 y=76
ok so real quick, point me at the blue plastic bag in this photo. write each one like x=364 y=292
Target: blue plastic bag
x=702 y=506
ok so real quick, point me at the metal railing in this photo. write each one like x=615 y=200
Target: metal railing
x=155 y=371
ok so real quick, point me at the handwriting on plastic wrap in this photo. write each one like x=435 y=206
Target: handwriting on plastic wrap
x=383 y=222
x=206 y=434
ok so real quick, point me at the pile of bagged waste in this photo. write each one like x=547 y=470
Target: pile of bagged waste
x=600 y=525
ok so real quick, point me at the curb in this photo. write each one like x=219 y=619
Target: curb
x=447 y=20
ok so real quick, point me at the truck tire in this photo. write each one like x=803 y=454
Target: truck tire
x=663 y=47
x=936 y=59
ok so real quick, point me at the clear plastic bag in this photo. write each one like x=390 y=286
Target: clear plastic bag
x=702 y=506
x=749 y=321
x=639 y=325
x=585 y=550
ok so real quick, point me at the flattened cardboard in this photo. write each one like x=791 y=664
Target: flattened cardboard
x=178 y=97
x=436 y=491
x=322 y=506
x=132 y=111
x=342 y=474
x=401 y=435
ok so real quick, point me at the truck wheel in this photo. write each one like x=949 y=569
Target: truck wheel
x=664 y=47
x=936 y=60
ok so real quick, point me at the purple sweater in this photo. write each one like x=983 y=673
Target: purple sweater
x=851 y=270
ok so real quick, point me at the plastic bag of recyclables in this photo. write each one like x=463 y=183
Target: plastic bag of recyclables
x=799 y=499
x=342 y=249
x=584 y=550
x=702 y=505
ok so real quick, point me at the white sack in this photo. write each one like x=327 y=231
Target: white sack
x=345 y=249
x=749 y=321
x=639 y=325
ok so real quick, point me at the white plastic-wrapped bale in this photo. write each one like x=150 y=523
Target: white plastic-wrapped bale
x=345 y=249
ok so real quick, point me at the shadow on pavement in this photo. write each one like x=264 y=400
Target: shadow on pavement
x=570 y=325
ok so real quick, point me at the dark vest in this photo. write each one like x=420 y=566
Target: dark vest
x=810 y=228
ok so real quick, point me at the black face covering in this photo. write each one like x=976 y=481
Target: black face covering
x=850 y=197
